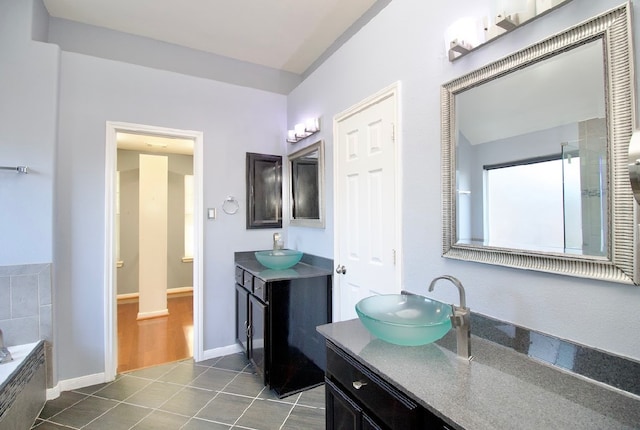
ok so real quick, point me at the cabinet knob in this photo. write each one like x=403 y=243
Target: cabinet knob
x=341 y=270
x=358 y=384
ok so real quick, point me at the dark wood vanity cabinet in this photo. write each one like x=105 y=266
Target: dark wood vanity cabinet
x=251 y=313
x=275 y=325
x=358 y=399
x=242 y=318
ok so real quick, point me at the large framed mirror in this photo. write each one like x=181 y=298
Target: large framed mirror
x=306 y=186
x=535 y=156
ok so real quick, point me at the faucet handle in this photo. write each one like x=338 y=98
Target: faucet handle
x=460 y=316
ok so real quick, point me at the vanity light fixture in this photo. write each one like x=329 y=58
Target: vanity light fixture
x=458 y=47
x=463 y=36
x=303 y=130
x=508 y=22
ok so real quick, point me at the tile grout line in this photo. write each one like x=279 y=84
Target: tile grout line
x=184 y=386
x=217 y=394
x=181 y=387
x=124 y=401
x=105 y=398
x=68 y=407
x=290 y=410
x=247 y=408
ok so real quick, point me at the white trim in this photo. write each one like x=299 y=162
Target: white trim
x=152 y=314
x=110 y=308
x=75 y=383
x=220 y=352
x=53 y=393
x=100 y=378
x=171 y=293
x=392 y=90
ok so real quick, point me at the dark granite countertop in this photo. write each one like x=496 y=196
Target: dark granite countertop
x=499 y=389
x=309 y=267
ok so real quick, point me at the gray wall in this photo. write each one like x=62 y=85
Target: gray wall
x=233 y=119
x=54 y=110
x=28 y=105
x=405 y=43
x=179 y=274
x=101 y=42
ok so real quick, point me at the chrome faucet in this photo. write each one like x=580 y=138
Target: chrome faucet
x=278 y=243
x=5 y=355
x=461 y=318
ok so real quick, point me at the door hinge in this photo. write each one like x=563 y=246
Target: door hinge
x=394 y=257
x=393 y=132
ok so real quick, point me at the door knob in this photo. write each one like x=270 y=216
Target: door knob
x=341 y=270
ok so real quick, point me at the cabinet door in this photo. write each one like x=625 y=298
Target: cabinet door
x=242 y=318
x=342 y=413
x=369 y=424
x=258 y=336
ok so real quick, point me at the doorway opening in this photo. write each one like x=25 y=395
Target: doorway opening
x=153 y=311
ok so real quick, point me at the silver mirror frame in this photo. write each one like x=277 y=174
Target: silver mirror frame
x=304 y=222
x=614 y=28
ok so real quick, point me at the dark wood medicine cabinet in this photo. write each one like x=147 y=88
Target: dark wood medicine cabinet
x=264 y=191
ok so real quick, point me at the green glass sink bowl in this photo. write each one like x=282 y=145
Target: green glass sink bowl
x=405 y=319
x=279 y=259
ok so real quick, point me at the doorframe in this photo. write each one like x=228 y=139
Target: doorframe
x=392 y=90
x=110 y=290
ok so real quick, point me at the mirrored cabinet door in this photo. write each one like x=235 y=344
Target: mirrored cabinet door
x=306 y=186
x=264 y=191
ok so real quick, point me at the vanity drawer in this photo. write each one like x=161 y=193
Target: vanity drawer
x=260 y=289
x=239 y=276
x=388 y=404
x=247 y=281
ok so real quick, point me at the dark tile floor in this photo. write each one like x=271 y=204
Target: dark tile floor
x=221 y=393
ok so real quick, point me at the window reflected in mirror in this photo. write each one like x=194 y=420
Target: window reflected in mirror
x=306 y=177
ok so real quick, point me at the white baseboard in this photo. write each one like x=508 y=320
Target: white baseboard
x=219 y=352
x=171 y=293
x=75 y=383
x=99 y=378
x=152 y=314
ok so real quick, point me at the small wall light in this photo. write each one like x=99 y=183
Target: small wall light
x=303 y=130
x=462 y=36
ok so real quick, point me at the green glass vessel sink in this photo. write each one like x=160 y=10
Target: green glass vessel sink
x=279 y=259
x=405 y=319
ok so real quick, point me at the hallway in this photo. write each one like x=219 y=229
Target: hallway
x=154 y=341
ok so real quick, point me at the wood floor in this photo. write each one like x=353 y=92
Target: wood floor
x=155 y=341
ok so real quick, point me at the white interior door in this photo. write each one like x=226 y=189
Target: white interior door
x=367 y=234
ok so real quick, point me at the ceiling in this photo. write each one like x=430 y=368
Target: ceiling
x=286 y=35
x=151 y=143
x=564 y=89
